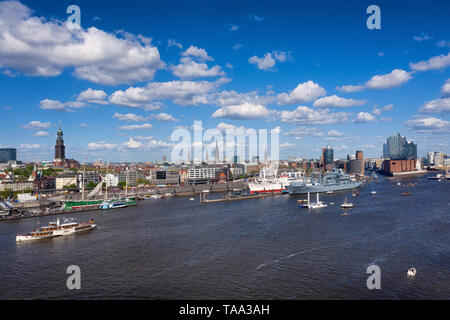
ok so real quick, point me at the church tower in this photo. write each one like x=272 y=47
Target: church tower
x=60 y=149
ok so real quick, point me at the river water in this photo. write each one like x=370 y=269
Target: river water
x=251 y=249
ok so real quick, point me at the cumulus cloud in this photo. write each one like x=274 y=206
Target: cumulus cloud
x=428 y=124
x=93 y=96
x=388 y=107
x=394 y=79
x=189 y=69
x=144 y=126
x=129 y=117
x=305 y=115
x=446 y=89
x=335 y=133
x=434 y=63
x=132 y=144
x=37 y=125
x=41 y=47
x=41 y=134
x=198 y=53
x=436 y=106
x=29 y=146
x=304 y=92
x=364 y=117
x=267 y=62
x=102 y=145
x=173 y=43
x=48 y=104
x=164 y=117
x=237 y=46
x=422 y=37
x=245 y=111
x=181 y=92
x=335 y=101
x=351 y=88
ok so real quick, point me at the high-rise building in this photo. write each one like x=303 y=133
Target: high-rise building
x=399 y=148
x=328 y=158
x=8 y=154
x=357 y=164
x=60 y=149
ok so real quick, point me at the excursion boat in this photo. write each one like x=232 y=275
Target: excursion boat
x=115 y=204
x=55 y=229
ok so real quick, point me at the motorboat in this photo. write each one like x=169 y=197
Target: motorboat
x=411 y=272
x=373 y=192
x=406 y=193
x=347 y=204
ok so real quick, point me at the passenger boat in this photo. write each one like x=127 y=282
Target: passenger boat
x=55 y=229
x=347 y=204
x=314 y=205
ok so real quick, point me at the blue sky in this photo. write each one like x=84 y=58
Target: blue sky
x=137 y=70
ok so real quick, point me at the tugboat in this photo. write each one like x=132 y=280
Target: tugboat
x=347 y=205
x=55 y=229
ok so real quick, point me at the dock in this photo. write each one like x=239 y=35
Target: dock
x=228 y=197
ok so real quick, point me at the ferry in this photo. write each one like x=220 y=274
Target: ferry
x=55 y=229
x=114 y=204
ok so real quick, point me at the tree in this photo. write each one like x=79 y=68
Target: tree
x=91 y=185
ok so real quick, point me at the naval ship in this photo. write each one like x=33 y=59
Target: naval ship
x=334 y=180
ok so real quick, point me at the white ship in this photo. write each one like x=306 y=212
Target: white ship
x=55 y=229
x=269 y=181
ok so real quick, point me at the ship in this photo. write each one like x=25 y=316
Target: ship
x=269 y=182
x=55 y=229
x=114 y=204
x=334 y=180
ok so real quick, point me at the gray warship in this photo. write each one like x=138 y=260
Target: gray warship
x=334 y=180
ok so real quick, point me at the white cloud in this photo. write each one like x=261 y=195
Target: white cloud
x=37 y=125
x=335 y=133
x=394 y=79
x=39 y=47
x=436 y=106
x=446 y=89
x=243 y=111
x=132 y=144
x=434 y=63
x=144 y=126
x=422 y=37
x=199 y=53
x=102 y=145
x=41 y=134
x=286 y=145
x=351 y=88
x=388 y=107
x=173 y=43
x=158 y=144
x=264 y=63
x=129 y=117
x=93 y=96
x=56 y=105
x=189 y=69
x=430 y=124
x=181 y=92
x=443 y=43
x=304 y=131
x=304 y=92
x=229 y=65
x=164 y=117
x=335 y=101
x=364 y=117
x=256 y=18
x=234 y=27
x=267 y=62
x=305 y=115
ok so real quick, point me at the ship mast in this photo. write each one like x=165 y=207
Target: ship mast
x=84 y=171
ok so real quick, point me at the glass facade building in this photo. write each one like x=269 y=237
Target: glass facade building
x=8 y=154
x=399 y=148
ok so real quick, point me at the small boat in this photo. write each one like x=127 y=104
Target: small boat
x=411 y=272
x=399 y=184
x=156 y=196
x=373 y=192
x=330 y=192
x=344 y=214
x=192 y=199
x=406 y=193
x=347 y=204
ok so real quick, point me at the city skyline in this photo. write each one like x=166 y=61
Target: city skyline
x=122 y=83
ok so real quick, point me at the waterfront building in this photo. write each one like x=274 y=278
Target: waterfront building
x=7 y=155
x=44 y=183
x=397 y=147
x=164 y=177
x=60 y=149
x=65 y=179
x=16 y=186
x=356 y=166
x=111 y=180
x=436 y=159
x=89 y=176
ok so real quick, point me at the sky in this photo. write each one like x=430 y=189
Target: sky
x=135 y=71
